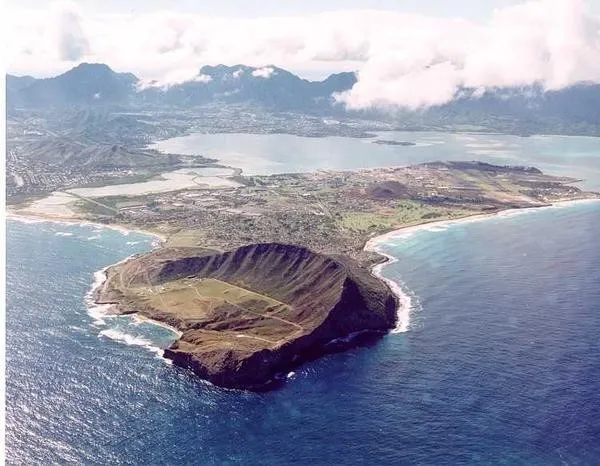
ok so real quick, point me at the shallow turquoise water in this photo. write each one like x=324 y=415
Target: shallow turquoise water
x=283 y=153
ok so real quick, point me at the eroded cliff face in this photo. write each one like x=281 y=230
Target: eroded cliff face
x=252 y=313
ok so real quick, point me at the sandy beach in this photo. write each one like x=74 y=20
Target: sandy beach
x=406 y=304
x=406 y=301
x=403 y=232
x=40 y=218
x=140 y=318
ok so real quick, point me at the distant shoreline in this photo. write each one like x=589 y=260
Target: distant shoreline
x=372 y=243
x=125 y=229
x=376 y=244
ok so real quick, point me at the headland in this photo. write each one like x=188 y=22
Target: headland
x=263 y=275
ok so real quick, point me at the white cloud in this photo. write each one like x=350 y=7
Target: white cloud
x=73 y=44
x=405 y=60
x=203 y=78
x=553 y=43
x=237 y=73
x=176 y=76
x=264 y=72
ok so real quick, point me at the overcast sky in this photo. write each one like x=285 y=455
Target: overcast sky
x=407 y=52
x=477 y=10
x=471 y=9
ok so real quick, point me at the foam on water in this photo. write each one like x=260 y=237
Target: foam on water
x=102 y=313
x=406 y=304
x=408 y=301
x=98 y=227
x=374 y=243
x=99 y=312
x=130 y=340
x=438 y=228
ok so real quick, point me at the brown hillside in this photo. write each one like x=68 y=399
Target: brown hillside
x=251 y=313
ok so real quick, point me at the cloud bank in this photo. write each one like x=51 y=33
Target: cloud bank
x=402 y=60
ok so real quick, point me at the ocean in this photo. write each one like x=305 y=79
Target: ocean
x=498 y=363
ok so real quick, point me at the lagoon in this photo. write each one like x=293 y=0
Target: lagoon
x=264 y=154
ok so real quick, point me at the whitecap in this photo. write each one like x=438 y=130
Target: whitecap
x=438 y=228
x=98 y=227
x=406 y=304
x=99 y=312
x=130 y=340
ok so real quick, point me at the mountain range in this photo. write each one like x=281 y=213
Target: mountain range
x=575 y=109
x=97 y=84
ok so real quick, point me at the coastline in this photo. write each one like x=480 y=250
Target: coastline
x=138 y=318
x=99 y=312
x=376 y=244
x=124 y=229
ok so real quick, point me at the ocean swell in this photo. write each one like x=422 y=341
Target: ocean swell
x=408 y=303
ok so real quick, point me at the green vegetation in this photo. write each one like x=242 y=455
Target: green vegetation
x=403 y=214
x=187 y=238
x=23 y=200
x=109 y=205
x=197 y=298
x=84 y=207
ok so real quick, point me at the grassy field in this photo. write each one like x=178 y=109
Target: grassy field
x=196 y=298
x=404 y=213
x=187 y=238
x=108 y=205
x=225 y=309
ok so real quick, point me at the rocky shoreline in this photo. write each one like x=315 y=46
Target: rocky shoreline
x=298 y=306
x=289 y=356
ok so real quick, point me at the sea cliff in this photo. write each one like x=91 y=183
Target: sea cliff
x=250 y=315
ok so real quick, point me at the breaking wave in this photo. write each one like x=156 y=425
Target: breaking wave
x=407 y=301
x=130 y=340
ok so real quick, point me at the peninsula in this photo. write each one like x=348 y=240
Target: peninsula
x=391 y=142
x=262 y=273
x=249 y=315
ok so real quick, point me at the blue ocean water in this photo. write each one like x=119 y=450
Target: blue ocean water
x=500 y=365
